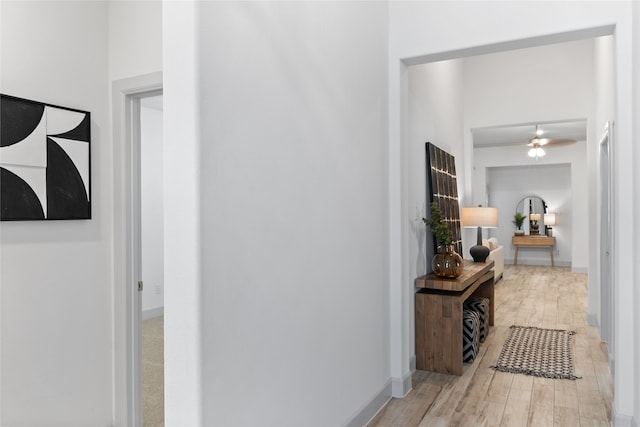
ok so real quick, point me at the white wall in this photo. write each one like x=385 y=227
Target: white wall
x=55 y=275
x=508 y=185
x=183 y=337
x=436 y=116
x=418 y=33
x=152 y=209
x=636 y=196
x=135 y=38
x=604 y=82
x=292 y=209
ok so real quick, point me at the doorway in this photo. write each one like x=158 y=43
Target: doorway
x=152 y=258
x=606 y=270
x=408 y=120
x=127 y=258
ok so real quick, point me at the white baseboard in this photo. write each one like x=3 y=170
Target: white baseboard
x=371 y=409
x=619 y=420
x=394 y=387
x=579 y=269
x=152 y=312
x=539 y=262
x=592 y=320
x=401 y=386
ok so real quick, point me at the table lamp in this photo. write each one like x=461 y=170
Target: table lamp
x=479 y=217
x=549 y=220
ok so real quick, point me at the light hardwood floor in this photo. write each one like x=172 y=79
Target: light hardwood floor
x=529 y=296
x=153 y=372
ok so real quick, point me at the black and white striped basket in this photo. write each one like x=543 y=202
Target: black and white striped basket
x=470 y=335
x=481 y=306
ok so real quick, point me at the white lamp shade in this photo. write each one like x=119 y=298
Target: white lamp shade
x=480 y=217
x=535 y=217
x=549 y=219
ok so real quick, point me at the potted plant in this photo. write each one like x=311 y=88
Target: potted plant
x=518 y=220
x=447 y=262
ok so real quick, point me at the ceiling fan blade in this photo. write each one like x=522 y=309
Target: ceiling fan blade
x=541 y=142
x=538 y=142
x=561 y=141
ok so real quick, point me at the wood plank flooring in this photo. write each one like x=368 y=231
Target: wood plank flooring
x=153 y=372
x=538 y=296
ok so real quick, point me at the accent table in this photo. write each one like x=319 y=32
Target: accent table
x=439 y=306
x=533 y=242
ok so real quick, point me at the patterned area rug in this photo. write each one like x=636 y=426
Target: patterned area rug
x=539 y=352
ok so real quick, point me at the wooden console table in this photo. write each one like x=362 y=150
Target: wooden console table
x=533 y=242
x=439 y=306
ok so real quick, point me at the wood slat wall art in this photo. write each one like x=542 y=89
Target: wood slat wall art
x=442 y=187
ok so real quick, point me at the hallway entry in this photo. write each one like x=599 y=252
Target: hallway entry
x=152 y=259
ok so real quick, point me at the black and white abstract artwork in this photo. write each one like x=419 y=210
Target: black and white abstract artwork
x=45 y=161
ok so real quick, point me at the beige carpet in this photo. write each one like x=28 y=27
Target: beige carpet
x=153 y=371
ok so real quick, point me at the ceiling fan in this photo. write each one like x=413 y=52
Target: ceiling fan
x=537 y=142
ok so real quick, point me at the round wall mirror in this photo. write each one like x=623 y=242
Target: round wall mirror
x=534 y=208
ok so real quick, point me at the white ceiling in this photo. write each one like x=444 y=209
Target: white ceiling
x=520 y=134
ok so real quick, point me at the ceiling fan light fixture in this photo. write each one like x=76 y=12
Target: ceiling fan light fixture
x=536 y=144
x=536 y=151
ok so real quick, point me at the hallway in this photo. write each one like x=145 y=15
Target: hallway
x=553 y=298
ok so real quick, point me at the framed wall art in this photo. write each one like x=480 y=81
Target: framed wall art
x=45 y=161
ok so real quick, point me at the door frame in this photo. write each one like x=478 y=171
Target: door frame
x=127 y=384
x=605 y=228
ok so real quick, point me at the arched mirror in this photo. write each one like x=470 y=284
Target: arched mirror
x=533 y=208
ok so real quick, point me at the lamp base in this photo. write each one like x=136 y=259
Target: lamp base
x=479 y=253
